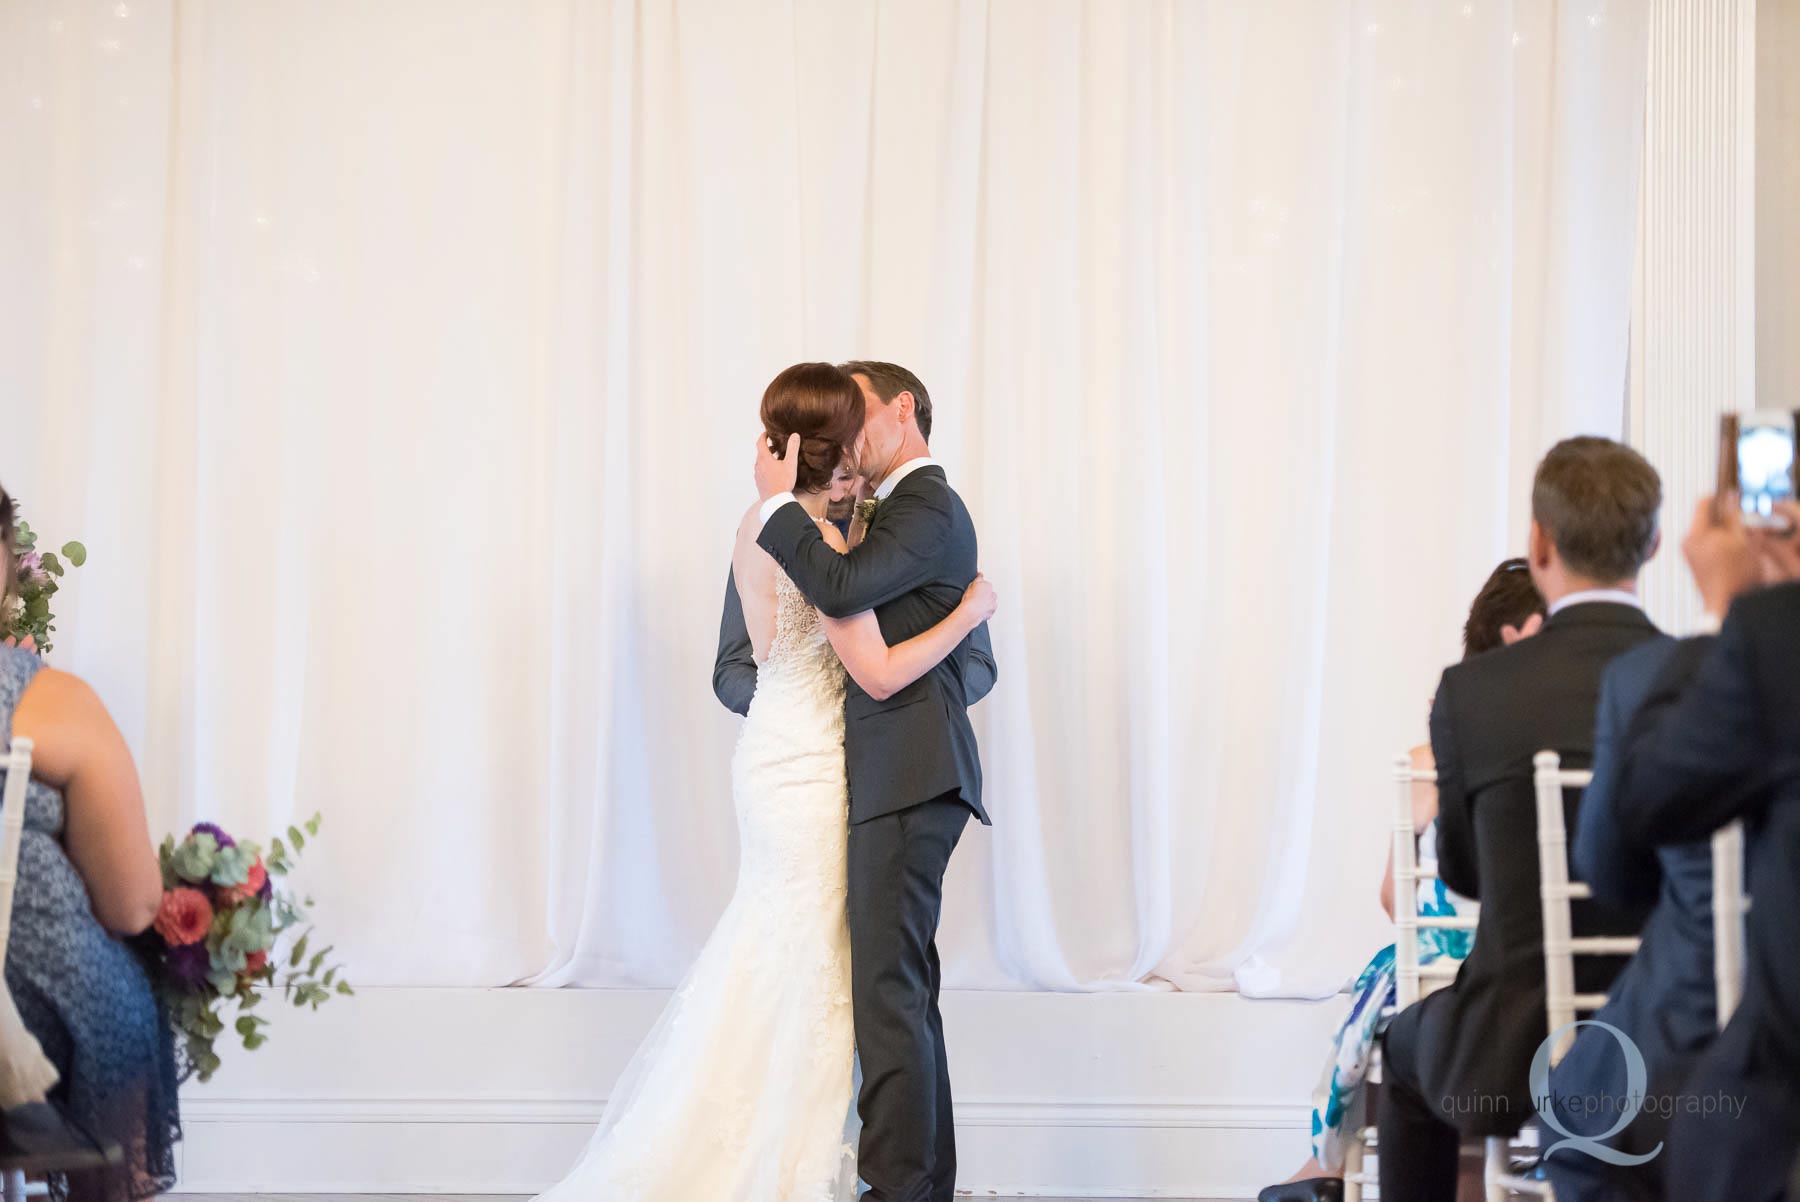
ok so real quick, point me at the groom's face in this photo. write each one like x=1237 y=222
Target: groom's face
x=882 y=434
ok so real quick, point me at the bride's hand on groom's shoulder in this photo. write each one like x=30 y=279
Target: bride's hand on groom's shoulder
x=776 y=476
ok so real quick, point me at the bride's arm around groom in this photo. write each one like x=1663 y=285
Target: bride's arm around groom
x=734 y=668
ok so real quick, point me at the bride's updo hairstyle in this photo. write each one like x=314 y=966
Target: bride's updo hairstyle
x=824 y=406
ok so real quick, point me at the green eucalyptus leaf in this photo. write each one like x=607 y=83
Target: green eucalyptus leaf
x=193 y=857
x=231 y=865
x=76 y=553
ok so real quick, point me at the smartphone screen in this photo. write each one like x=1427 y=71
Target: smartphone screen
x=1765 y=465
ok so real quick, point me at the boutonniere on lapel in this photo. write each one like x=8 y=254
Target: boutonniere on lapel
x=865 y=510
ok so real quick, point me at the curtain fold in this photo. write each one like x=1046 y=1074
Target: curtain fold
x=399 y=365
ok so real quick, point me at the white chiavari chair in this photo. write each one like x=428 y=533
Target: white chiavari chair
x=1562 y=1002
x=12 y=831
x=1412 y=979
x=55 y=1145
x=1729 y=907
x=1561 y=945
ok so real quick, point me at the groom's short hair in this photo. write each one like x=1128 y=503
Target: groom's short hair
x=889 y=380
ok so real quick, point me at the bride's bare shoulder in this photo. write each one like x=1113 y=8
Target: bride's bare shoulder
x=752 y=524
x=749 y=560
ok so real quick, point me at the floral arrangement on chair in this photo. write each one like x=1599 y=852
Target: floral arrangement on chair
x=37 y=576
x=212 y=945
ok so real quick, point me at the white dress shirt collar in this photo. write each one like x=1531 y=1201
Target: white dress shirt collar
x=900 y=473
x=1609 y=596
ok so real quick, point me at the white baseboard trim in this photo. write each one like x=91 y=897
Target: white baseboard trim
x=1196 y=1114
x=1193 y=1097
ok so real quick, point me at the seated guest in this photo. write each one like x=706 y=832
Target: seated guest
x=1507 y=607
x=1663 y=1000
x=1718 y=739
x=88 y=877
x=1458 y=1062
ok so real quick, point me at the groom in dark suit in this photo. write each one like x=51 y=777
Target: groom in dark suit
x=913 y=766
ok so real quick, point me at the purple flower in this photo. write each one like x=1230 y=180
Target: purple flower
x=188 y=965
x=219 y=836
x=29 y=564
x=268 y=886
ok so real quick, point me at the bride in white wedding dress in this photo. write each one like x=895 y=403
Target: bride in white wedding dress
x=742 y=1091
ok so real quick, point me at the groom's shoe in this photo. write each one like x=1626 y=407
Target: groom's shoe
x=1313 y=1189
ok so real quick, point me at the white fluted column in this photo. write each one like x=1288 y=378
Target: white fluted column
x=1777 y=217
x=1694 y=343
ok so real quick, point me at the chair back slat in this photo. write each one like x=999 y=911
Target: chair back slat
x=17 y=763
x=1729 y=904
x=1406 y=887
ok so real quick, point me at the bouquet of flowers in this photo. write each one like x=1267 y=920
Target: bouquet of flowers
x=212 y=945
x=35 y=576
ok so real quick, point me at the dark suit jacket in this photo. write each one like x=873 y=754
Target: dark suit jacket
x=911 y=568
x=1664 y=998
x=1472 y=1043
x=1719 y=739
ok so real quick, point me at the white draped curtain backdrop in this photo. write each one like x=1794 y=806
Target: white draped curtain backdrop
x=399 y=365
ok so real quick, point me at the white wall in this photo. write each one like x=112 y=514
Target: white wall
x=494 y=1091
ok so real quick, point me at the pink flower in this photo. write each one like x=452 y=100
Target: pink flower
x=252 y=886
x=185 y=917
x=255 y=962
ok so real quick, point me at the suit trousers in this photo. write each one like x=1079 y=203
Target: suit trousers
x=1419 y=1146
x=897 y=863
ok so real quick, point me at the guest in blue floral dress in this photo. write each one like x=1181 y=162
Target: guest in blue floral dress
x=1507 y=609
x=88 y=879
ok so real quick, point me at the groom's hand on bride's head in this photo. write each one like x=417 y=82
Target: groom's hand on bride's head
x=776 y=476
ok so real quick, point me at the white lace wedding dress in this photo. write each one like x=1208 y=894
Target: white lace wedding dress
x=742 y=1092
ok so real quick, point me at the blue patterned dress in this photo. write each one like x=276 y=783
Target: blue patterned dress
x=1338 y=1100
x=86 y=997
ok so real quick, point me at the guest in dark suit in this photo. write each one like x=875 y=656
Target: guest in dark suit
x=1458 y=1062
x=1718 y=739
x=1663 y=1001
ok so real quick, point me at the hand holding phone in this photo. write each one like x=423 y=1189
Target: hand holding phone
x=1757 y=450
